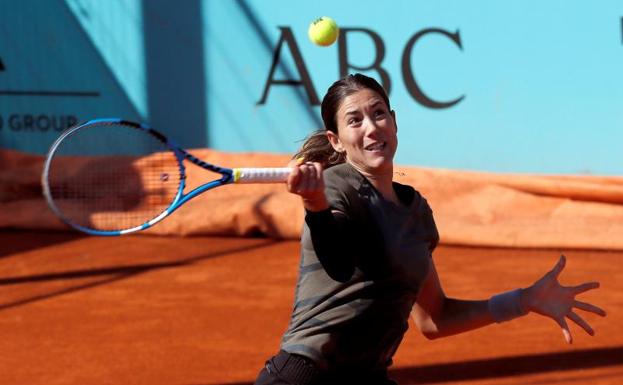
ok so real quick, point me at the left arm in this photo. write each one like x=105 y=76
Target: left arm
x=438 y=316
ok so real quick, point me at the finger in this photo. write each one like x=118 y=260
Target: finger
x=318 y=168
x=583 y=324
x=310 y=177
x=293 y=179
x=318 y=181
x=584 y=287
x=559 y=266
x=565 y=330
x=303 y=181
x=308 y=181
x=589 y=307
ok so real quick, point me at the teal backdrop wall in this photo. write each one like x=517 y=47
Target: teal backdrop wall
x=506 y=86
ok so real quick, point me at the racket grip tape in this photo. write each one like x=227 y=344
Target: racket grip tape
x=261 y=174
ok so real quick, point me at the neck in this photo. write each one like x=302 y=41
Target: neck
x=382 y=182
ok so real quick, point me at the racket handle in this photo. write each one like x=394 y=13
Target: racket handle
x=261 y=174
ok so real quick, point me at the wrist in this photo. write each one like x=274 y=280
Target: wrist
x=508 y=305
x=524 y=300
x=315 y=204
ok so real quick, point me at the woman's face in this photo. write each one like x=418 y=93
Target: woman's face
x=366 y=131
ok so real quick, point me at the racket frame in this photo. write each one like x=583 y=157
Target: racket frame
x=228 y=176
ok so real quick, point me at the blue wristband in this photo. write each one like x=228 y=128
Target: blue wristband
x=506 y=306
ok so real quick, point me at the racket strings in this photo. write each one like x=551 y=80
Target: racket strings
x=133 y=178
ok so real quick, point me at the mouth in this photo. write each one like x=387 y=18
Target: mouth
x=376 y=146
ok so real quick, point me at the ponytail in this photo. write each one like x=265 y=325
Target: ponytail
x=317 y=148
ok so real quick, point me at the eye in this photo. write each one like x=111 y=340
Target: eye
x=379 y=113
x=353 y=120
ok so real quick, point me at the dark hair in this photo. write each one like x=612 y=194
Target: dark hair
x=316 y=147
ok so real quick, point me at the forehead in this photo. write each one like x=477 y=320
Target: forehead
x=364 y=98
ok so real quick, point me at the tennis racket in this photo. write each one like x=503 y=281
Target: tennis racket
x=114 y=177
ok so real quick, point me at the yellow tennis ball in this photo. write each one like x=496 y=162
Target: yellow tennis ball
x=323 y=31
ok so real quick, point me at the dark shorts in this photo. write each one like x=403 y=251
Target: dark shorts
x=293 y=369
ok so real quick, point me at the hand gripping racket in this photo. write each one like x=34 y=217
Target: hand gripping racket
x=114 y=177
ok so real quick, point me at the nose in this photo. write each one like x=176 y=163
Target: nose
x=372 y=126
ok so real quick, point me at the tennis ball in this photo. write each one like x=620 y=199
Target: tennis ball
x=323 y=31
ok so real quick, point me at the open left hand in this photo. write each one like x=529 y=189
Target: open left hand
x=549 y=298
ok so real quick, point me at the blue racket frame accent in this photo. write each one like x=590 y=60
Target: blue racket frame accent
x=180 y=198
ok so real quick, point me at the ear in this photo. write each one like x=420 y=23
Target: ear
x=334 y=140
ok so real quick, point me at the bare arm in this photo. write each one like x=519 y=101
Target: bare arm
x=438 y=316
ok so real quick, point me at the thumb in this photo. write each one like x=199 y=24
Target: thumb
x=560 y=265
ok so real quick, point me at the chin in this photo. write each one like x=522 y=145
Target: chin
x=379 y=165
x=375 y=165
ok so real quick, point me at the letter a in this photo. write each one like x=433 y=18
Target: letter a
x=288 y=37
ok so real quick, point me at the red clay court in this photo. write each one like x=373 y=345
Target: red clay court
x=208 y=310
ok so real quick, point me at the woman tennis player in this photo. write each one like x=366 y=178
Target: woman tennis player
x=366 y=256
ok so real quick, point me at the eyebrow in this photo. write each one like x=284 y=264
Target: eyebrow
x=375 y=104
x=355 y=112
